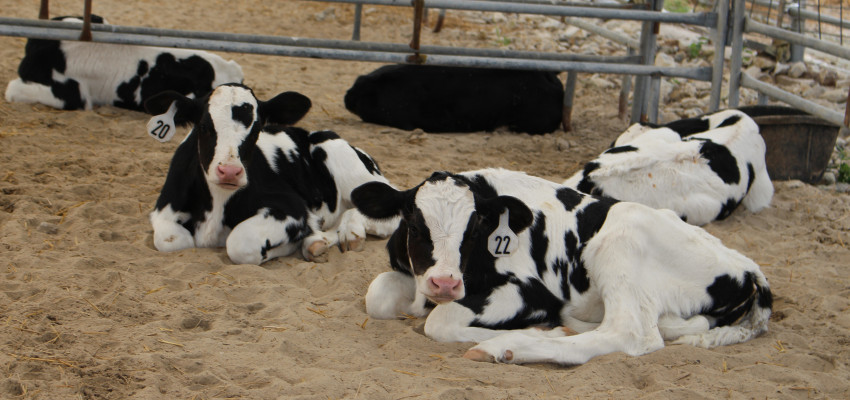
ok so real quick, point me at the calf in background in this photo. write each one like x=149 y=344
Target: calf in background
x=626 y=277
x=701 y=168
x=243 y=180
x=74 y=75
x=441 y=99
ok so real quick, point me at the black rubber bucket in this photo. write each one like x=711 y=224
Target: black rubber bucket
x=799 y=145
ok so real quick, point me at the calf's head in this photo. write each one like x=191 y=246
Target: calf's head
x=227 y=124
x=444 y=224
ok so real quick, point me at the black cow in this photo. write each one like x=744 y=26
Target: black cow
x=453 y=99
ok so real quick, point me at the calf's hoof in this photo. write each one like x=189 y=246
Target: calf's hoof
x=568 y=331
x=479 y=355
x=317 y=252
x=357 y=244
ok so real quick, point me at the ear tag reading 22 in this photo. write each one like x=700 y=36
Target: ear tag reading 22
x=161 y=127
x=503 y=241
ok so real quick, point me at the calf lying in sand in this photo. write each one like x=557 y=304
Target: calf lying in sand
x=260 y=189
x=500 y=251
x=458 y=99
x=75 y=75
x=701 y=168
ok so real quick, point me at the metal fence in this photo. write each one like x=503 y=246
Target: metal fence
x=639 y=61
x=799 y=40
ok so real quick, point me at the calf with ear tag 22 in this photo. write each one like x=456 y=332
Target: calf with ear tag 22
x=492 y=255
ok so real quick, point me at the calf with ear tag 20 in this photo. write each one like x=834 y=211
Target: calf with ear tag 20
x=161 y=127
x=247 y=180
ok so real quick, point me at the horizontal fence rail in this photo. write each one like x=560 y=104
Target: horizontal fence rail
x=298 y=47
x=798 y=102
x=796 y=38
x=705 y=19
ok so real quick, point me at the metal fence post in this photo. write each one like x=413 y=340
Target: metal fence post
x=798 y=24
x=736 y=59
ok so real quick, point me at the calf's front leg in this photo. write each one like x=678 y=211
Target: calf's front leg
x=354 y=226
x=168 y=232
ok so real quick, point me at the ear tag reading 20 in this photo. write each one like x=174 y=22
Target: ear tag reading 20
x=503 y=241
x=161 y=127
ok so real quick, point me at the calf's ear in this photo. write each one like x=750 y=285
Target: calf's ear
x=286 y=108
x=188 y=110
x=377 y=200
x=519 y=215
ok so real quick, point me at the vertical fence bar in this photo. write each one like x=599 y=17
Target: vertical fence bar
x=649 y=31
x=719 y=33
x=737 y=49
x=654 y=98
x=358 y=13
x=798 y=24
x=569 y=94
x=847 y=110
x=625 y=88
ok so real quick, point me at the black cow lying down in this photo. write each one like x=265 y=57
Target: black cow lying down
x=499 y=251
x=261 y=189
x=75 y=75
x=453 y=99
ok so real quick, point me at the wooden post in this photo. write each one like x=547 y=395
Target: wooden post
x=86 y=33
x=43 y=11
x=418 y=14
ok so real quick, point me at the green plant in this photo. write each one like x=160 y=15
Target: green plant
x=843 y=173
x=502 y=40
x=695 y=48
x=677 y=6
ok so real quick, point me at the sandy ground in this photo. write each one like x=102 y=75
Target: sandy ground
x=91 y=310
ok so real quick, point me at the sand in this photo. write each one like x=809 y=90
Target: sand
x=91 y=310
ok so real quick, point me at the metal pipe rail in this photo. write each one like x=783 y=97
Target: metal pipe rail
x=701 y=19
x=321 y=43
x=606 y=33
x=753 y=26
x=795 y=11
x=229 y=42
x=833 y=117
x=574 y=3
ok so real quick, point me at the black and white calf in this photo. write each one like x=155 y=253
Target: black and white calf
x=260 y=189
x=454 y=99
x=701 y=168
x=499 y=250
x=75 y=75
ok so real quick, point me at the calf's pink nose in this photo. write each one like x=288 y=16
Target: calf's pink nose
x=444 y=286
x=228 y=173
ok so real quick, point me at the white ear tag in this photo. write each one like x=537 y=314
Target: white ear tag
x=161 y=127
x=503 y=241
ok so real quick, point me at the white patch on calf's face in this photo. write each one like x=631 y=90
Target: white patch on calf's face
x=446 y=208
x=230 y=133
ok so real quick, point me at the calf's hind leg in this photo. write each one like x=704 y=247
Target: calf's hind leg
x=262 y=238
x=627 y=326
